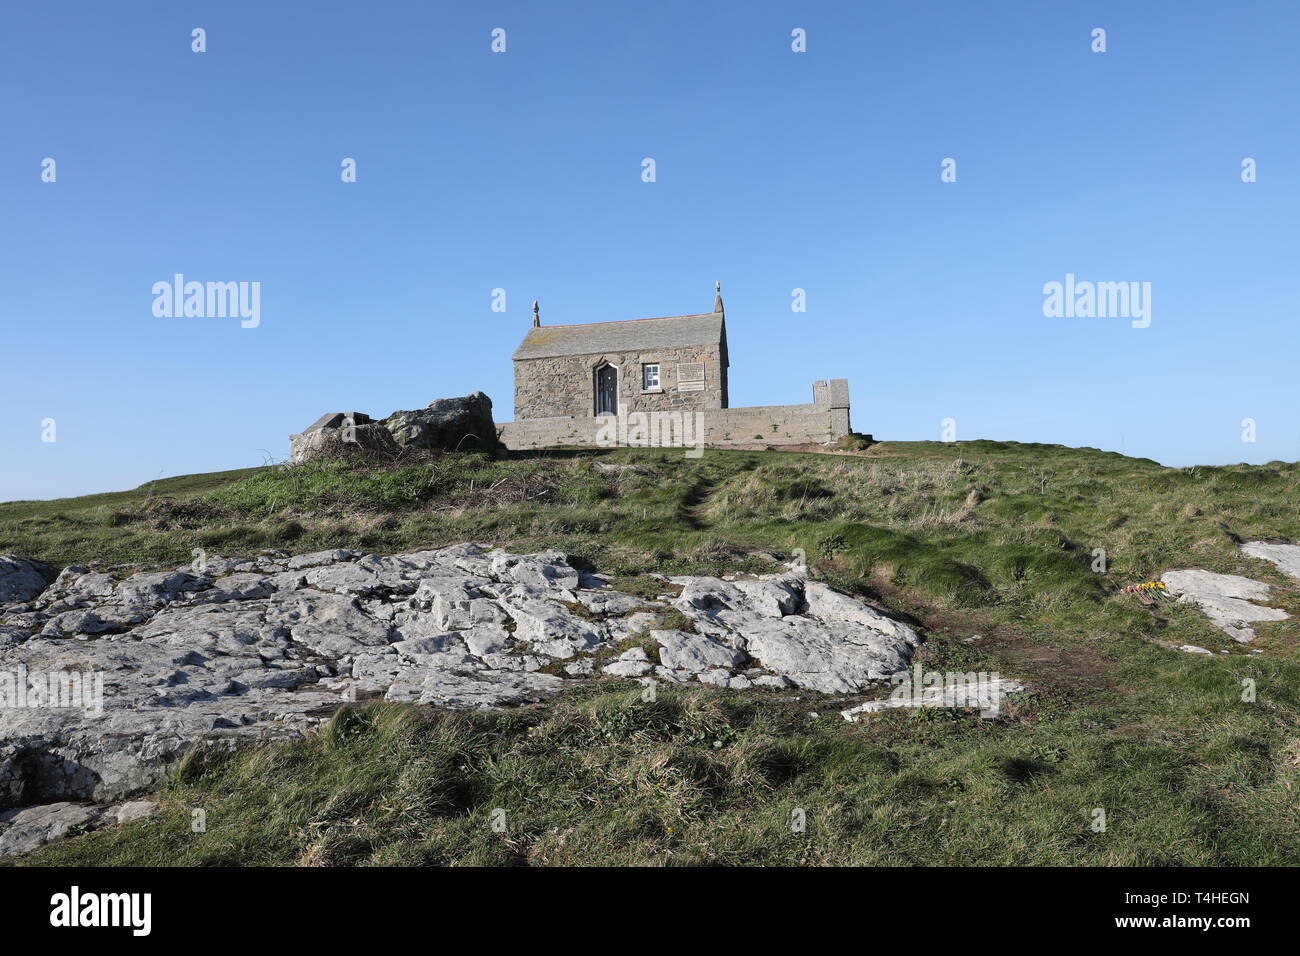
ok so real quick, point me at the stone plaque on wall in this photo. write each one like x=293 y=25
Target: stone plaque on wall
x=690 y=377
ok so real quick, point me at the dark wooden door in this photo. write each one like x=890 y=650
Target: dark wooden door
x=607 y=390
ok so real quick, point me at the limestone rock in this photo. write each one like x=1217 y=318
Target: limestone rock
x=1285 y=556
x=836 y=645
x=235 y=652
x=20 y=579
x=1225 y=599
x=131 y=811
x=22 y=831
x=331 y=625
x=30 y=828
x=695 y=653
x=721 y=677
x=609 y=602
x=549 y=569
x=832 y=658
x=339 y=434
x=74 y=588
x=318 y=558
x=449 y=424
x=629 y=668
x=772 y=598
x=551 y=629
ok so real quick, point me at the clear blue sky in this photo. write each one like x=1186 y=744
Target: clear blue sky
x=522 y=171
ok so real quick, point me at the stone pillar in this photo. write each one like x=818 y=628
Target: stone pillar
x=833 y=395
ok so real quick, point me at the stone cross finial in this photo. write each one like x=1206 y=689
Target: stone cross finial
x=537 y=319
x=717 y=296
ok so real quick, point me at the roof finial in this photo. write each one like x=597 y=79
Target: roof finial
x=717 y=296
x=537 y=319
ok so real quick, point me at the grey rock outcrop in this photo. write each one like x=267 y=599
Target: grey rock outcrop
x=20 y=579
x=341 y=433
x=1230 y=600
x=30 y=828
x=1285 y=556
x=817 y=638
x=449 y=424
x=105 y=683
x=445 y=424
x=24 y=830
x=1226 y=599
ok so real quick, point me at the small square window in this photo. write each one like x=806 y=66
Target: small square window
x=649 y=376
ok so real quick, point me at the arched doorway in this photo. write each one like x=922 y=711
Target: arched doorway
x=606 y=389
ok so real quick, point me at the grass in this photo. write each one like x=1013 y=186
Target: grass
x=987 y=547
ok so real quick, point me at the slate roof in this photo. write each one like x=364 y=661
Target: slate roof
x=629 y=335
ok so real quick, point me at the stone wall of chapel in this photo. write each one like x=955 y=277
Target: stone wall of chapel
x=823 y=421
x=565 y=386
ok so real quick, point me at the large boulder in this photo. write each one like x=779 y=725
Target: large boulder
x=449 y=424
x=339 y=434
x=20 y=579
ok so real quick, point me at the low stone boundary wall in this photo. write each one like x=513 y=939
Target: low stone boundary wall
x=824 y=420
